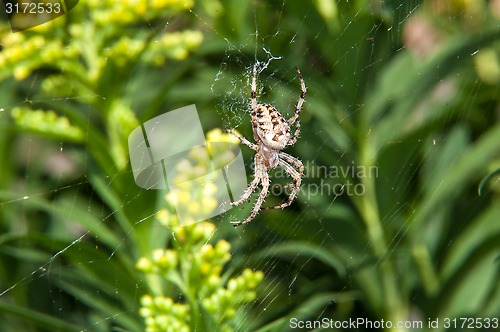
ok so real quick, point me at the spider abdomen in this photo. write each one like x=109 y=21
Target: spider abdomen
x=270 y=126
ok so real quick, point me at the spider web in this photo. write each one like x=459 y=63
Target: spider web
x=278 y=85
x=290 y=246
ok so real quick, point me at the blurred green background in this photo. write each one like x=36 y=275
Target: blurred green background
x=407 y=89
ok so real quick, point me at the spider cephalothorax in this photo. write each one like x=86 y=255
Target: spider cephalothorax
x=272 y=134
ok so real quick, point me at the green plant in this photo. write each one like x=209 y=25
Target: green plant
x=192 y=266
x=420 y=110
x=96 y=63
x=417 y=242
x=76 y=75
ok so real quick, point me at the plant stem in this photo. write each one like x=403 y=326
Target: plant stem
x=368 y=208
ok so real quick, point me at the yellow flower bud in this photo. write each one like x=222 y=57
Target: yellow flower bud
x=144 y=265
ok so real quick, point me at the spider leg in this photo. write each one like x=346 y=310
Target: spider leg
x=303 y=91
x=296 y=175
x=243 y=140
x=254 y=87
x=295 y=117
x=248 y=191
x=257 y=177
x=260 y=200
x=294 y=161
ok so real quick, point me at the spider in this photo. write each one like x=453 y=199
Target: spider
x=271 y=133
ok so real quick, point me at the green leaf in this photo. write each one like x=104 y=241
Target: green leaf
x=472 y=161
x=405 y=85
x=64 y=210
x=38 y=319
x=109 y=310
x=468 y=289
x=486 y=179
x=307 y=250
x=477 y=233
x=307 y=310
x=121 y=122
